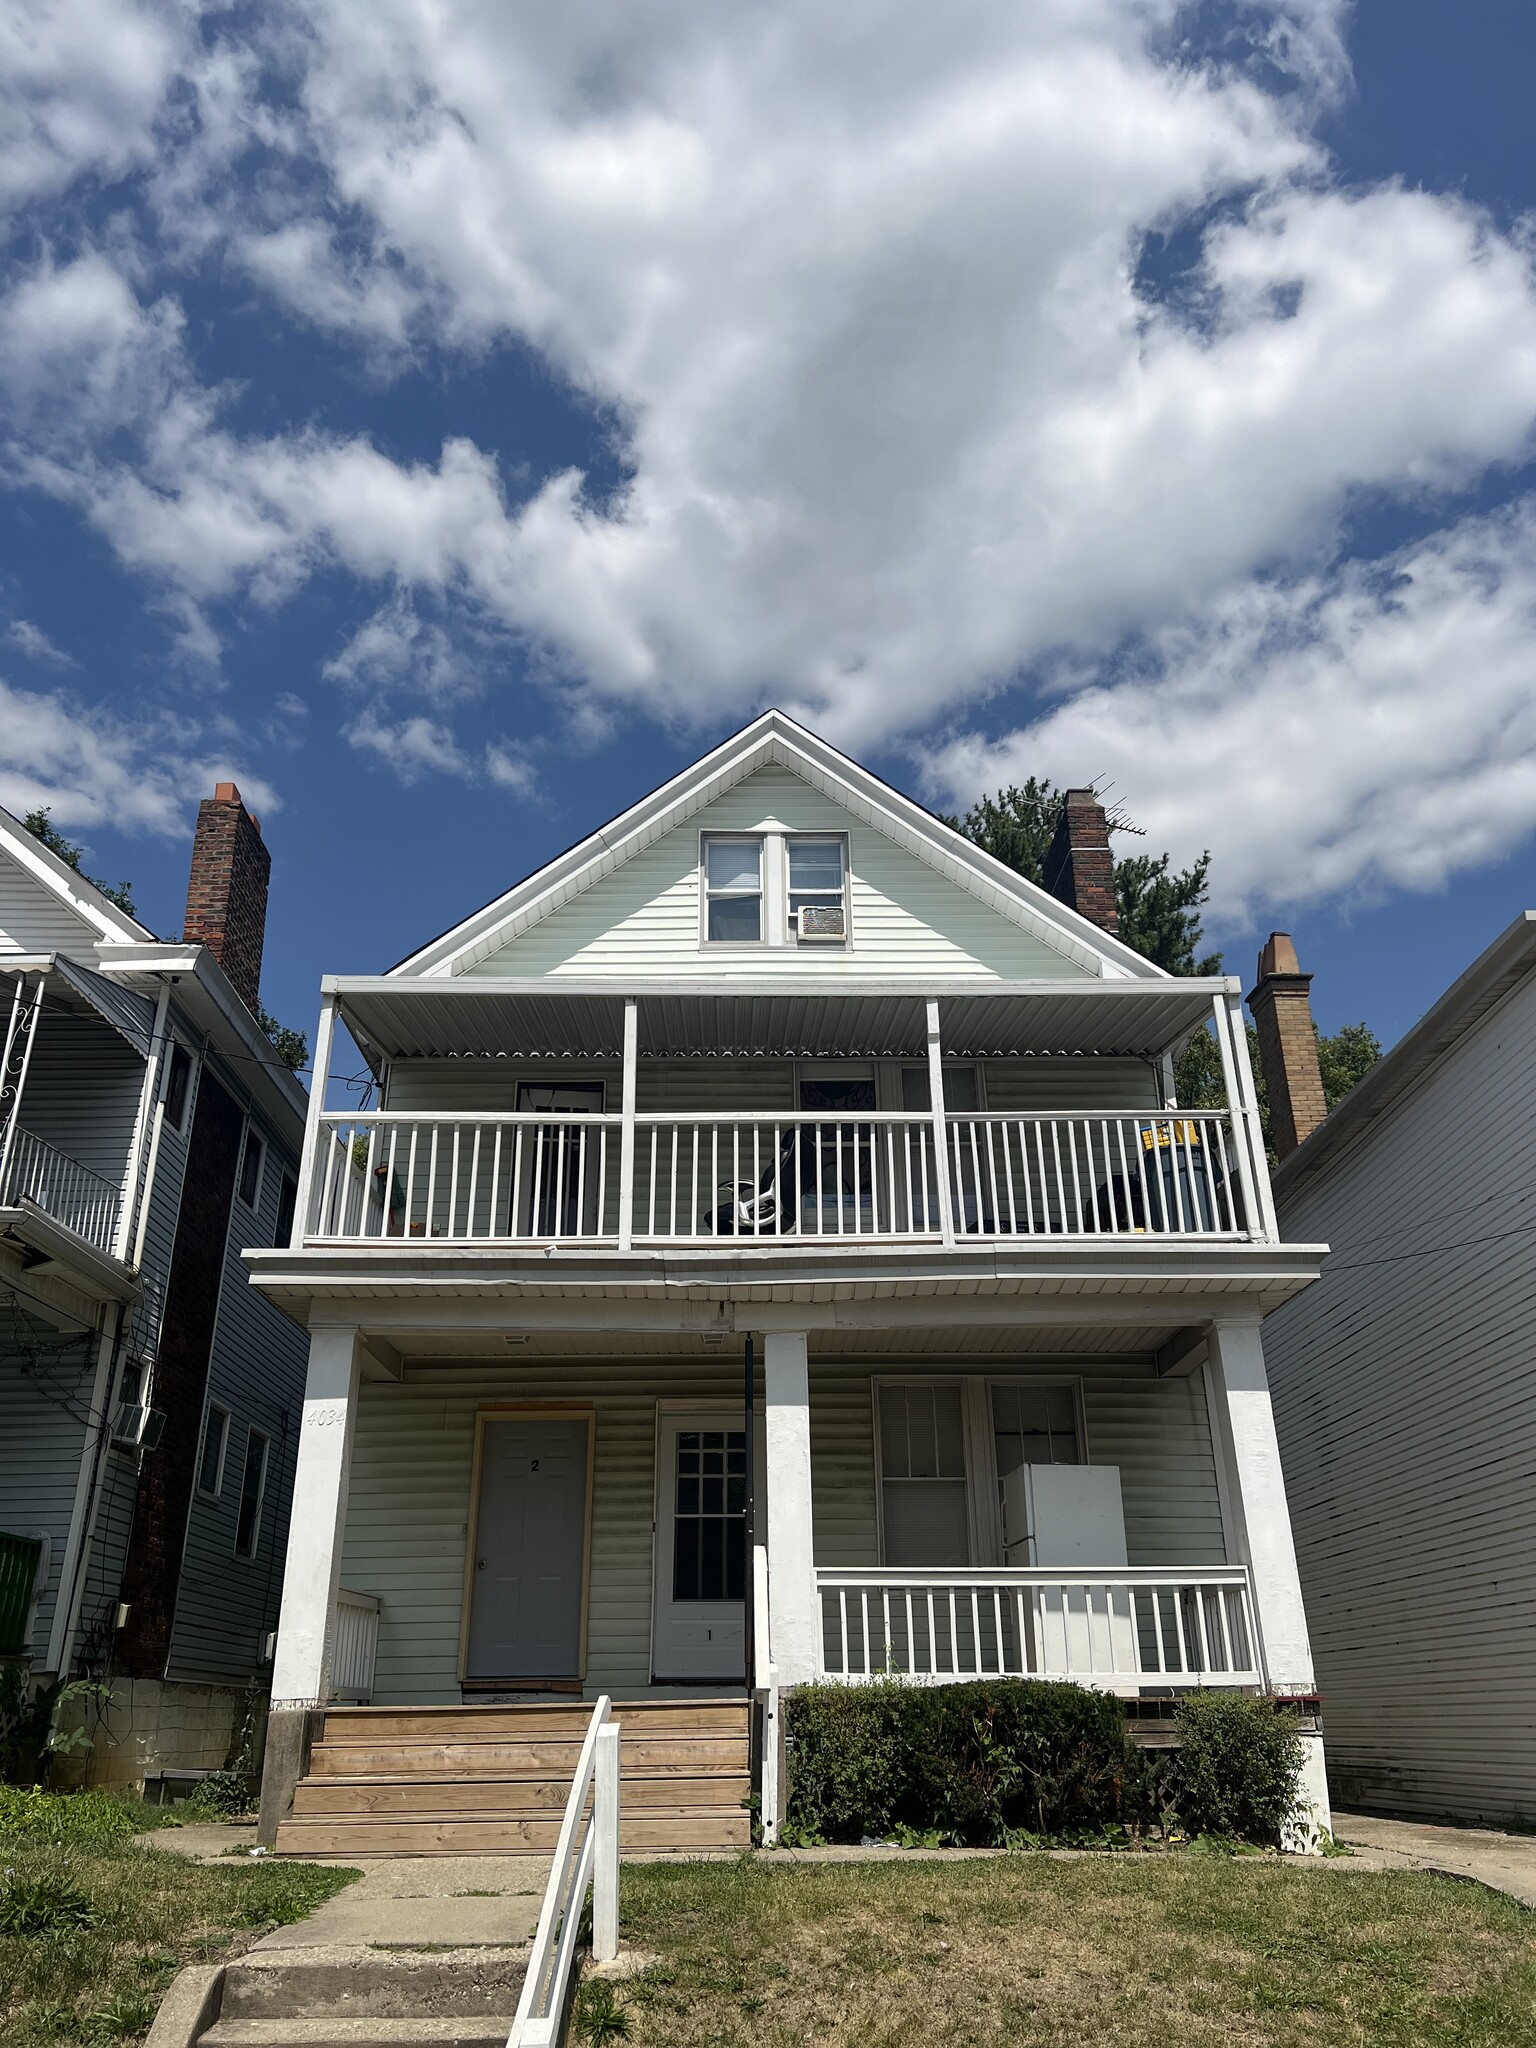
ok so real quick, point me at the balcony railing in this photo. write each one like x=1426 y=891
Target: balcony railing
x=697 y=1179
x=71 y=1194
x=1119 y=1630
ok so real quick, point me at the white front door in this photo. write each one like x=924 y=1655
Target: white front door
x=701 y=1492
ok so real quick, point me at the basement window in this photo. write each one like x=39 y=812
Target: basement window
x=253 y=1487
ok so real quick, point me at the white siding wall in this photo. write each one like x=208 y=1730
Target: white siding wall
x=1405 y=1398
x=45 y=1392
x=407 y=1525
x=906 y=919
x=33 y=920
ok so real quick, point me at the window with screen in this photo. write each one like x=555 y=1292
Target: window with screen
x=733 y=890
x=924 y=1508
x=253 y=1486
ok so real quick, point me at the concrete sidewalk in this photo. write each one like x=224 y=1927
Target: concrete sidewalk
x=424 y=1903
x=1505 y=1863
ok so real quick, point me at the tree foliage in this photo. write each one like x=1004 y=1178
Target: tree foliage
x=1345 y=1057
x=40 y=824
x=291 y=1047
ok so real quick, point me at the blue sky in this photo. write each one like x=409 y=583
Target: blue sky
x=450 y=431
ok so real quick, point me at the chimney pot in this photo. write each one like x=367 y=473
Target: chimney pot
x=1080 y=869
x=1282 y=1016
x=227 y=889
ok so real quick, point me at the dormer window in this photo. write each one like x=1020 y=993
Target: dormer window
x=733 y=889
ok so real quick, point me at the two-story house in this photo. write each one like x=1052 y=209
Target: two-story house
x=149 y=1401
x=776 y=1255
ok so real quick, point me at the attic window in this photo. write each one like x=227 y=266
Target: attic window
x=733 y=889
x=816 y=869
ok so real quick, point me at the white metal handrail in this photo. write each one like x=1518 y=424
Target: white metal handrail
x=699 y=1177
x=1120 y=1628
x=355 y=1649
x=72 y=1194
x=587 y=1852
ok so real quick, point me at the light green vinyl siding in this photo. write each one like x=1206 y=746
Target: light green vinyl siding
x=409 y=1509
x=905 y=917
x=1069 y=1084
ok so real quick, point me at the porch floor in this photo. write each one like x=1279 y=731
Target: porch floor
x=493 y=1780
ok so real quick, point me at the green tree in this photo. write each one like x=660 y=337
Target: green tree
x=1159 y=908
x=291 y=1047
x=40 y=824
x=1345 y=1057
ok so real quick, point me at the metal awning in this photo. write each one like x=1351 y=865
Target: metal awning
x=128 y=1013
x=465 y=1019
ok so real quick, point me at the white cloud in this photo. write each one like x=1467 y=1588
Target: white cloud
x=396 y=649
x=93 y=767
x=35 y=644
x=1369 y=728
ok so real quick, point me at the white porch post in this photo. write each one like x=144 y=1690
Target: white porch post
x=1243 y=1429
x=320 y=1074
x=793 y=1603
x=301 y=1669
x=940 y=1127
x=627 y=1126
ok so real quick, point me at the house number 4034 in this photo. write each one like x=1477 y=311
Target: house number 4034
x=328 y=1415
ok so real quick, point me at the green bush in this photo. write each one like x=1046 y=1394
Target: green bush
x=1238 y=1766
x=973 y=1763
x=222 y=1795
x=91 y=1817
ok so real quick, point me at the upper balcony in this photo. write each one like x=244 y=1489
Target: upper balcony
x=630 y=1121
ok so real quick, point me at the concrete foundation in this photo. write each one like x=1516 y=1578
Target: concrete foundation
x=290 y=1734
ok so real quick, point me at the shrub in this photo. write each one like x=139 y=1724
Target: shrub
x=91 y=1817
x=1239 y=1766
x=222 y=1795
x=973 y=1763
x=41 y=1905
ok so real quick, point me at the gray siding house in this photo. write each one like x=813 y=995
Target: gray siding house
x=775 y=1255
x=1405 y=1399
x=148 y=1397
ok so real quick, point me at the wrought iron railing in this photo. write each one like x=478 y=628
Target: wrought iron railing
x=70 y=1193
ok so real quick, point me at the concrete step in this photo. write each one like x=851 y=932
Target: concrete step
x=498 y=1834
x=348 y=1981
x=485 y=2031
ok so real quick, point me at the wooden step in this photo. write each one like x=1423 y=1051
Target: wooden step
x=493 y=1724
x=554 y=1758
x=408 y=1796
x=497 y=1834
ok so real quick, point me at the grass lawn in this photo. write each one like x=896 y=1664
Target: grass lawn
x=1123 y=1952
x=110 y=1925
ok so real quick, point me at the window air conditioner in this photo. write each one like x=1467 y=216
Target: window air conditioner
x=137 y=1428
x=822 y=921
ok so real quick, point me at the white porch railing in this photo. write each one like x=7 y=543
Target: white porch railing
x=587 y=1852
x=695 y=1179
x=70 y=1193
x=1119 y=1630
x=355 y=1648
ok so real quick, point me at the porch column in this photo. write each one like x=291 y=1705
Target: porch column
x=1243 y=1429
x=793 y=1608
x=301 y=1669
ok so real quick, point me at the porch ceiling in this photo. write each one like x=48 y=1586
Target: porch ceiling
x=443 y=1020
x=982 y=1341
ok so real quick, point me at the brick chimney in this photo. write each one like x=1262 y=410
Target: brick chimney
x=1079 y=869
x=227 y=889
x=1282 y=1015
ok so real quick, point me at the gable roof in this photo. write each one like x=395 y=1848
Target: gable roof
x=108 y=923
x=1468 y=1000
x=774 y=739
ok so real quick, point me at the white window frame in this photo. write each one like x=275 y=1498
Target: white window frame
x=764 y=892
x=984 y=1513
x=253 y=1436
x=254 y=1138
x=216 y=1491
x=844 y=893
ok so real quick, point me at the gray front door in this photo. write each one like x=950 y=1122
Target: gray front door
x=530 y=1550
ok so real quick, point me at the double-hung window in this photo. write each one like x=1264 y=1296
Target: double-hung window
x=816 y=887
x=210 y=1468
x=733 y=888
x=250 y=1169
x=253 y=1487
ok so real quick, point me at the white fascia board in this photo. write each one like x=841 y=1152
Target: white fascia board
x=204 y=992
x=26 y=963
x=774 y=739
x=83 y=897
x=939 y=986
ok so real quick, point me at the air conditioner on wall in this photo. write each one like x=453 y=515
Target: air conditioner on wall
x=137 y=1428
x=821 y=921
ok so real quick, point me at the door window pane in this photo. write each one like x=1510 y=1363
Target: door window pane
x=1034 y=1425
x=709 y=1510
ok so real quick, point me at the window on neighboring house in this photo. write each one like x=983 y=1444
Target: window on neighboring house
x=253 y=1486
x=250 y=1169
x=210 y=1467
x=816 y=882
x=178 y=1086
x=925 y=1511
x=733 y=890
x=287 y=1198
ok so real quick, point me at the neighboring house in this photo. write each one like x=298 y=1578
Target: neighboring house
x=148 y=1398
x=1405 y=1395
x=775 y=1059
